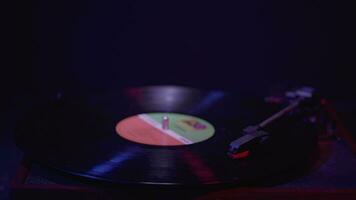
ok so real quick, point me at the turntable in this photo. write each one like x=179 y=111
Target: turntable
x=173 y=140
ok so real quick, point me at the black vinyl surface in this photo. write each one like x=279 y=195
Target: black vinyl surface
x=76 y=134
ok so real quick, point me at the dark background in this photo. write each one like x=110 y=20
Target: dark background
x=88 y=46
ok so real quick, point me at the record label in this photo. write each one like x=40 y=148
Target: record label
x=165 y=129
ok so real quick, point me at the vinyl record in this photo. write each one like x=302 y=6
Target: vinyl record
x=118 y=138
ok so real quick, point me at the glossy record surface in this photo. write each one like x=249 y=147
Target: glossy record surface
x=76 y=134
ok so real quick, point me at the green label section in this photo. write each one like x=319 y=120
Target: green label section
x=193 y=128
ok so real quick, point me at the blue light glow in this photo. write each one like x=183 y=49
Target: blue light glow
x=114 y=162
x=210 y=99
